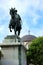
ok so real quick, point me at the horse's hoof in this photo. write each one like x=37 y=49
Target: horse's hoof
x=10 y=30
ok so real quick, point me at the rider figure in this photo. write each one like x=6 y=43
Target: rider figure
x=15 y=18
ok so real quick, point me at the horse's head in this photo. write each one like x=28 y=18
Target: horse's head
x=13 y=12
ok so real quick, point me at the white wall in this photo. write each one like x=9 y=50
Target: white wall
x=10 y=56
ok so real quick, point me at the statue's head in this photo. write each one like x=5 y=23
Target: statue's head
x=12 y=11
x=15 y=10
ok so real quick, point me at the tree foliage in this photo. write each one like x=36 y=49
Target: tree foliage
x=35 y=52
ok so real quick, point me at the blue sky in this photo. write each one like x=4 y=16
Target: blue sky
x=31 y=12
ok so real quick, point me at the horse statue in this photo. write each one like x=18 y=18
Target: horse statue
x=15 y=22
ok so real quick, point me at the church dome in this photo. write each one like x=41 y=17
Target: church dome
x=27 y=38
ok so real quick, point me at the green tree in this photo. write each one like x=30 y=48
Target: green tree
x=35 y=52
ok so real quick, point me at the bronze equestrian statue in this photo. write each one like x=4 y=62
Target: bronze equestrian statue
x=15 y=21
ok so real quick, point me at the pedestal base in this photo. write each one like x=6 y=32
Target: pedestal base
x=13 y=55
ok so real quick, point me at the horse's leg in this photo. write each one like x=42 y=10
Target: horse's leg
x=15 y=33
x=10 y=30
x=18 y=32
x=15 y=30
x=18 y=35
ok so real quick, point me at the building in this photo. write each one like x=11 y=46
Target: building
x=14 y=53
x=27 y=39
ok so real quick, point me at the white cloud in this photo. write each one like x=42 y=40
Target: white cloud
x=35 y=19
x=39 y=32
x=1 y=28
x=37 y=4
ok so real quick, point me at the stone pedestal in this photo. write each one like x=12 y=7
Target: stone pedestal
x=13 y=53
